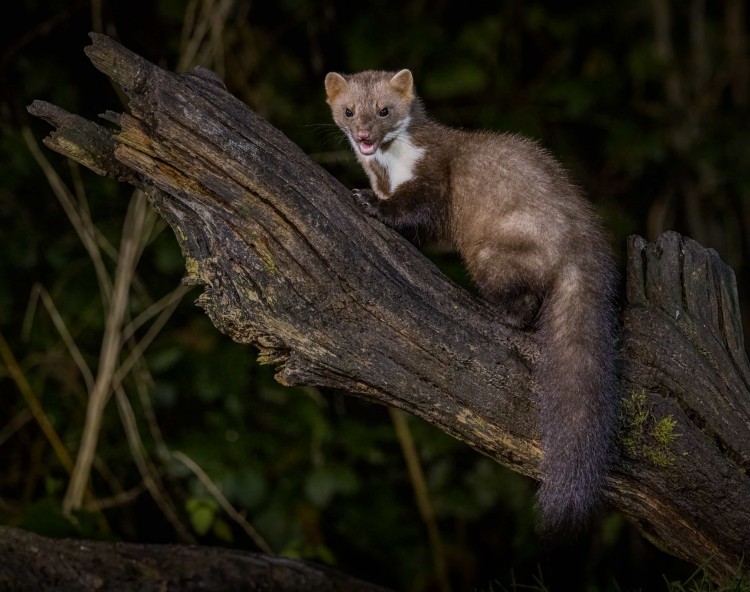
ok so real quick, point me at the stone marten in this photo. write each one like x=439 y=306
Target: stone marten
x=533 y=246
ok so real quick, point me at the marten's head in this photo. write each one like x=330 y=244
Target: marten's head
x=372 y=108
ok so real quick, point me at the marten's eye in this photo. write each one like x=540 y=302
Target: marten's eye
x=383 y=112
x=348 y=112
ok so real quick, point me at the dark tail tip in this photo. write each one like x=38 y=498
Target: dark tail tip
x=564 y=515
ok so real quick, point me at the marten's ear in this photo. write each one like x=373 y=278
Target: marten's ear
x=403 y=83
x=335 y=85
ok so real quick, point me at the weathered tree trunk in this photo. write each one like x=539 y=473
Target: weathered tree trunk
x=335 y=299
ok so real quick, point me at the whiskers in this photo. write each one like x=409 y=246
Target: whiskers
x=329 y=133
x=330 y=136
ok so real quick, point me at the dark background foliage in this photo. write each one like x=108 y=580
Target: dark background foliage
x=646 y=102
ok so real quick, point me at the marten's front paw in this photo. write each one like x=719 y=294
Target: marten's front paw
x=367 y=200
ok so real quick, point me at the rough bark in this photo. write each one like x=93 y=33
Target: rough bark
x=39 y=564
x=335 y=299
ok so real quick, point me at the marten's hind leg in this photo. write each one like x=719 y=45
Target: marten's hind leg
x=512 y=281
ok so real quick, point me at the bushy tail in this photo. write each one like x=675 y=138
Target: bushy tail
x=577 y=393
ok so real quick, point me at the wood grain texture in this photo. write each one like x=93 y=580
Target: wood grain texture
x=334 y=299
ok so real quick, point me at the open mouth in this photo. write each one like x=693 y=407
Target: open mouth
x=367 y=148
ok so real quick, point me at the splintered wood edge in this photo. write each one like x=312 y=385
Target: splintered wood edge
x=123 y=66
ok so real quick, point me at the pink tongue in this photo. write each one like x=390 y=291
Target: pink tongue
x=366 y=146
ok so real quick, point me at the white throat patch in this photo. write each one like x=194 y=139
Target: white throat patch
x=401 y=157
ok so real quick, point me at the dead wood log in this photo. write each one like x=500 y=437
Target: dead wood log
x=338 y=300
x=31 y=562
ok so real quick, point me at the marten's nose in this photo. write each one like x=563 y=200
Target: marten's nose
x=363 y=135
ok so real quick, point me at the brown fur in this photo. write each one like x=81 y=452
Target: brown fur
x=531 y=243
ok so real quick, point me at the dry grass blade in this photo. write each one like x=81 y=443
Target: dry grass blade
x=202 y=35
x=223 y=501
x=150 y=476
x=135 y=366
x=82 y=226
x=16 y=423
x=37 y=410
x=121 y=499
x=35 y=405
x=422 y=496
x=162 y=307
x=130 y=249
x=83 y=210
x=38 y=291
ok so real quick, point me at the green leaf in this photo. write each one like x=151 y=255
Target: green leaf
x=202 y=514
